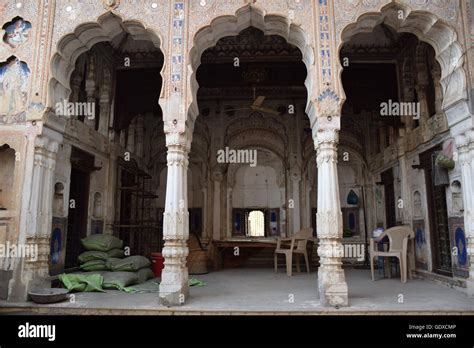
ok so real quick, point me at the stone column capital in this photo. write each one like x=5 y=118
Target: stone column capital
x=217 y=175
x=328 y=135
x=295 y=176
x=470 y=135
x=177 y=135
x=104 y=100
x=44 y=144
x=326 y=130
x=462 y=142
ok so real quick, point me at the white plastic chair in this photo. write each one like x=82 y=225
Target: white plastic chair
x=297 y=245
x=398 y=246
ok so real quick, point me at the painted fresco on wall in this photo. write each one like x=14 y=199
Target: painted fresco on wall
x=350 y=221
x=17 y=32
x=459 y=247
x=57 y=246
x=13 y=90
x=421 y=246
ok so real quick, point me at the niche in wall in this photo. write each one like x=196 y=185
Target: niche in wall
x=97 y=213
x=417 y=207
x=457 y=203
x=58 y=200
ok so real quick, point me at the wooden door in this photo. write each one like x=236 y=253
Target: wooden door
x=438 y=217
x=390 y=212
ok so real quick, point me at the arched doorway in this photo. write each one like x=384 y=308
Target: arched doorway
x=106 y=83
x=252 y=97
x=405 y=89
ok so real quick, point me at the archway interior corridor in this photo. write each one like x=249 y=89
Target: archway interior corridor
x=204 y=150
x=392 y=152
x=252 y=149
x=113 y=174
x=249 y=137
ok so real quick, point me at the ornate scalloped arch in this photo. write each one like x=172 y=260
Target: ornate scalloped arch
x=86 y=35
x=426 y=27
x=247 y=16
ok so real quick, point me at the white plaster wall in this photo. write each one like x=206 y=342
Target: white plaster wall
x=256 y=187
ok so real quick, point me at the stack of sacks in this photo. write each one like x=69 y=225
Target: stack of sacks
x=100 y=247
x=138 y=265
x=105 y=253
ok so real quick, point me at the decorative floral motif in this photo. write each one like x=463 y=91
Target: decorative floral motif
x=327 y=104
x=16 y=32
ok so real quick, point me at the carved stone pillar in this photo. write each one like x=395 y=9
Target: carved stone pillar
x=296 y=180
x=204 y=190
x=122 y=138
x=174 y=288
x=33 y=272
x=421 y=92
x=331 y=279
x=465 y=145
x=112 y=182
x=406 y=195
x=139 y=131
x=90 y=90
x=228 y=204
x=405 y=191
x=75 y=88
x=105 y=105
x=217 y=177
x=131 y=136
x=104 y=115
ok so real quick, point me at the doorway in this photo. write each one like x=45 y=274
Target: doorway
x=390 y=213
x=77 y=215
x=437 y=216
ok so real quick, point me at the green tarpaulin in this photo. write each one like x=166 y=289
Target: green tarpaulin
x=82 y=282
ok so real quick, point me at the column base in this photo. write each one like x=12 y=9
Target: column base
x=333 y=289
x=18 y=288
x=470 y=287
x=174 y=288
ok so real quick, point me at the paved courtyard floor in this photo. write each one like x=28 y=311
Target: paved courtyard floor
x=261 y=291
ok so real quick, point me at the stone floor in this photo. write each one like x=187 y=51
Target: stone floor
x=253 y=291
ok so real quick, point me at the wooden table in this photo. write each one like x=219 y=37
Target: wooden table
x=219 y=246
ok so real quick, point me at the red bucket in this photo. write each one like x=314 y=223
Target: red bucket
x=158 y=263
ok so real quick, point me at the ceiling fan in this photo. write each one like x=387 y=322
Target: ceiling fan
x=256 y=106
